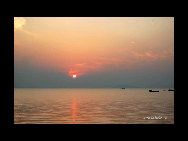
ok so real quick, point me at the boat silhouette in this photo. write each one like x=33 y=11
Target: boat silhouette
x=153 y=91
x=170 y=90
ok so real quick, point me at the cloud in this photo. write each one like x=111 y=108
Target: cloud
x=153 y=56
x=19 y=22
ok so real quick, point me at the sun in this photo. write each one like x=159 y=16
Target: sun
x=74 y=75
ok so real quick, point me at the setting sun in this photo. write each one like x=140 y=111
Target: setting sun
x=74 y=75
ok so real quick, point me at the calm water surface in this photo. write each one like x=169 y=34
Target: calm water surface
x=93 y=106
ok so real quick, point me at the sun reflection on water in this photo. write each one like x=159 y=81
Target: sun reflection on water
x=74 y=110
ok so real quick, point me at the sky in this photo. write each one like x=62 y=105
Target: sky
x=103 y=52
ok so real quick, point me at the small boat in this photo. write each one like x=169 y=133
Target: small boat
x=153 y=91
x=122 y=88
x=170 y=90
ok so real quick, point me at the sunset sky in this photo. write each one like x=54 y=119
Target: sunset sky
x=100 y=51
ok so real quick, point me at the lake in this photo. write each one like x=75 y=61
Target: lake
x=93 y=106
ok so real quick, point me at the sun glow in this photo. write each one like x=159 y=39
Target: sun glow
x=74 y=75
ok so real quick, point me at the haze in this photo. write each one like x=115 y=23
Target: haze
x=103 y=52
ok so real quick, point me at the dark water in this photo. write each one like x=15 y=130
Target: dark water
x=93 y=106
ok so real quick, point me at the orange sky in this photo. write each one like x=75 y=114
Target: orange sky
x=92 y=45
